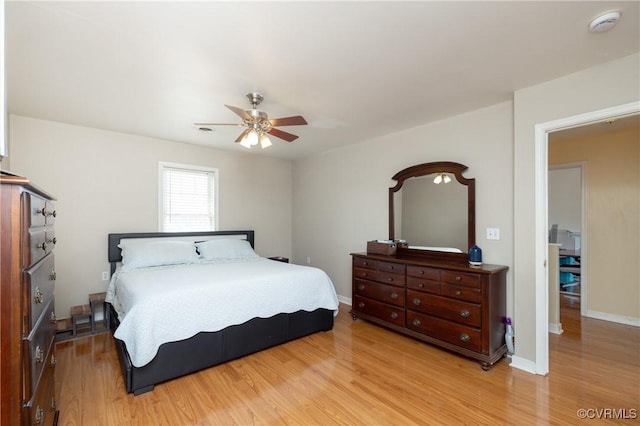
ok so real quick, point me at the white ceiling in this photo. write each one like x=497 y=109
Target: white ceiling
x=354 y=70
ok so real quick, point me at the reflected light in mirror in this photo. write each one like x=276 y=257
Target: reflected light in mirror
x=442 y=177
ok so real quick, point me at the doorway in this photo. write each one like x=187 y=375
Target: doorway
x=542 y=131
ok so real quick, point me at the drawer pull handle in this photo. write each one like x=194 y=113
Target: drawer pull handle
x=364 y=274
x=54 y=240
x=394 y=315
x=361 y=287
x=391 y=267
x=465 y=337
x=458 y=292
x=39 y=355
x=390 y=279
x=365 y=263
x=53 y=213
x=42 y=211
x=421 y=285
x=394 y=295
x=53 y=360
x=38 y=297
x=417 y=322
x=421 y=271
x=43 y=245
x=361 y=305
x=53 y=317
x=417 y=301
x=53 y=276
x=39 y=417
x=458 y=278
x=54 y=405
x=465 y=313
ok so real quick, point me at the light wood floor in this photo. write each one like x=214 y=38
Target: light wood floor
x=361 y=374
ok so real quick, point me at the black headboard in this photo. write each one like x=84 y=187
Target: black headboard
x=114 y=239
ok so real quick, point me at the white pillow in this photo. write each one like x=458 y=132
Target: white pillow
x=225 y=249
x=156 y=253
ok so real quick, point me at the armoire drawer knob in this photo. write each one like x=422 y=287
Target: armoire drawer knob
x=391 y=267
x=39 y=355
x=458 y=278
x=390 y=279
x=394 y=295
x=53 y=317
x=394 y=315
x=365 y=263
x=464 y=337
x=43 y=245
x=361 y=305
x=38 y=296
x=53 y=276
x=39 y=417
x=364 y=274
x=361 y=287
x=42 y=211
x=417 y=322
x=421 y=285
x=53 y=360
x=458 y=292
x=417 y=301
x=465 y=313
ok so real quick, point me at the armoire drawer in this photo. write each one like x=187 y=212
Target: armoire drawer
x=470 y=294
x=460 y=278
x=383 y=311
x=39 y=283
x=432 y=274
x=442 y=307
x=37 y=348
x=41 y=408
x=457 y=334
x=382 y=292
x=423 y=284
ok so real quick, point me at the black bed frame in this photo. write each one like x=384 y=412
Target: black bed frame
x=207 y=349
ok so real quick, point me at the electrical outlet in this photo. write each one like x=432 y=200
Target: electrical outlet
x=105 y=276
x=493 y=233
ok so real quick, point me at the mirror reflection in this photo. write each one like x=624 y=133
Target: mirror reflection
x=432 y=208
x=432 y=216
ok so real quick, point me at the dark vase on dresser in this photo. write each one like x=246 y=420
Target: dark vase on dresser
x=27 y=317
x=427 y=289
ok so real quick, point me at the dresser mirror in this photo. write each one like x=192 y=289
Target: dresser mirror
x=432 y=208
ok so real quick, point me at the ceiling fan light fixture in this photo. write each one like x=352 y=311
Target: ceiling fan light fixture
x=265 y=142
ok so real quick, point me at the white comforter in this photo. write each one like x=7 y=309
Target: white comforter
x=163 y=304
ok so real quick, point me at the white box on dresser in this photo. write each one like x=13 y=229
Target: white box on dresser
x=27 y=306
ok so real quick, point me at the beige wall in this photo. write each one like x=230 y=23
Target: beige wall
x=612 y=177
x=341 y=197
x=107 y=182
x=605 y=86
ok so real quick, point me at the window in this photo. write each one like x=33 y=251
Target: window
x=188 y=198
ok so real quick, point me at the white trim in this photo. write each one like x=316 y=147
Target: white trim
x=163 y=164
x=541 y=219
x=555 y=328
x=523 y=364
x=614 y=318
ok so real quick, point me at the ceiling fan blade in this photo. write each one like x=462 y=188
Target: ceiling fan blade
x=296 y=120
x=242 y=113
x=282 y=135
x=242 y=135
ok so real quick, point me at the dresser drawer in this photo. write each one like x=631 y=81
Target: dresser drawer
x=41 y=409
x=469 y=294
x=383 y=311
x=380 y=276
x=423 y=284
x=442 y=307
x=35 y=210
x=447 y=331
x=382 y=292
x=36 y=348
x=39 y=283
x=423 y=272
x=380 y=265
x=461 y=278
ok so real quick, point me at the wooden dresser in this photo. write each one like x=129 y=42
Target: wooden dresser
x=27 y=317
x=448 y=304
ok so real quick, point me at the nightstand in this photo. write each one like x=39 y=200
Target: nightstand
x=280 y=259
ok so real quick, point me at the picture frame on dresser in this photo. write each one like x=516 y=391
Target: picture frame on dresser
x=428 y=290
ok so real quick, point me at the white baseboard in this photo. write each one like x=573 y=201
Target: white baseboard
x=555 y=328
x=345 y=300
x=613 y=318
x=523 y=364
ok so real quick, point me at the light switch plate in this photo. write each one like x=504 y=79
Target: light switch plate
x=493 y=233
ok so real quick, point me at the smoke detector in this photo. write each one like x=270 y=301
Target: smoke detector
x=604 y=22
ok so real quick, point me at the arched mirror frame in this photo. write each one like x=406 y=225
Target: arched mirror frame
x=424 y=169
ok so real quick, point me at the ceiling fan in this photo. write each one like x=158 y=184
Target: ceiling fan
x=257 y=124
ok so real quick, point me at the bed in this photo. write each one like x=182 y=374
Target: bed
x=182 y=302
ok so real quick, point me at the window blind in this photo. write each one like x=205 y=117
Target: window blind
x=188 y=200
